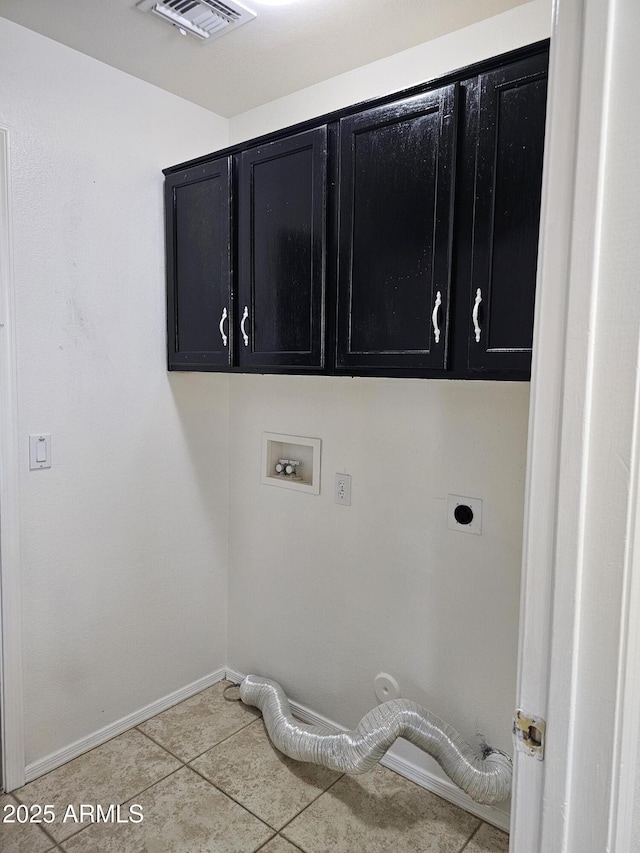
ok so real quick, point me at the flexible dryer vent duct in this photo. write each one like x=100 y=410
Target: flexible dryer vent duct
x=486 y=779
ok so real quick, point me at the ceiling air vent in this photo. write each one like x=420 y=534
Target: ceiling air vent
x=205 y=19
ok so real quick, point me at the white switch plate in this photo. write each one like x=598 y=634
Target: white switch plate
x=39 y=451
x=454 y=502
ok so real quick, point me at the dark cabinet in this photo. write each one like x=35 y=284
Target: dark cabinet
x=269 y=314
x=508 y=183
x=198 y=247
x=394 y=238
x=397 y=166
x=281 y=252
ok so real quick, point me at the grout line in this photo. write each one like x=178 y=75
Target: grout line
x=123 y=803
x=152 y=785
x=277 y=835
x=237 y=802
x=471 y=837
x=224 y=739
x=48 y=835
x=246 y=808
x=61 y=841
x=182 y=762
x=268 y=841
x=314 y=800
x=164 y=748
x=187 y=761
x=51 y=838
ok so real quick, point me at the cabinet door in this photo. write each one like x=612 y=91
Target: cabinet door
x=507 y=215
x=198 y=223
x=396 y=211
x=282 y=252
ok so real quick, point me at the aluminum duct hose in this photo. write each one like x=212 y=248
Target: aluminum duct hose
x=486 y=778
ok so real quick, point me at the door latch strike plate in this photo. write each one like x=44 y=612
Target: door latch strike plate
x=528 y=734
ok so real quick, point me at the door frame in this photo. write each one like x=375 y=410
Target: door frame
x=580 y=614
x=12 y=754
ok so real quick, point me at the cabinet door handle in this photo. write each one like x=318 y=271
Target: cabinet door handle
x=434 y=317
x=221 y=327
x=476 y=308
x=245 y=336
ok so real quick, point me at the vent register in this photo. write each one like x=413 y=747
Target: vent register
x=205 y=19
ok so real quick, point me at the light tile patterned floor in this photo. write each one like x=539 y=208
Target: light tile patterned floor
x=207 y=780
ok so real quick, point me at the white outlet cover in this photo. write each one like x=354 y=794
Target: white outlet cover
x=474 y=504
x=342 y=490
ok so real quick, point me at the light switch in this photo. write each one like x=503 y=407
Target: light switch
x=39 y=451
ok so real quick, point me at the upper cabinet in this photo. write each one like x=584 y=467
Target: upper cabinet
x=508 y=184
x=198 y=246
x=281 y=252
x=397 y=166
x=395 y=238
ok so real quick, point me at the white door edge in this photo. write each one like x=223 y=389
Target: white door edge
x=627 y=725
x=579 y=631
x=11 y=685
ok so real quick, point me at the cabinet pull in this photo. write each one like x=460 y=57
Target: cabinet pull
x=222 y=334
x=434 y=317
x=245 y=336
x=476 y=308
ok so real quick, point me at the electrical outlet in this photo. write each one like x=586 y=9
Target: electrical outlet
x=342 y=491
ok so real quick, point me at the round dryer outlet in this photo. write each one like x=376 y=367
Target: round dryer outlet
x=386 y=687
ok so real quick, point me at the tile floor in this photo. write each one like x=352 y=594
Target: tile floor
x=205 y=777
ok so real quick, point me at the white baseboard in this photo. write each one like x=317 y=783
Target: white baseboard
x=232 y=675
x=442 y=787
x=445 y=789
x=436 y=785
x=61 y=756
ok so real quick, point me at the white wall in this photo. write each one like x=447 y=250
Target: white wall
x=323 y=597
x=523 y=25
x=124 y=539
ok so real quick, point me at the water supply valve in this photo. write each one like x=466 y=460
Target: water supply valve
x=287 y=468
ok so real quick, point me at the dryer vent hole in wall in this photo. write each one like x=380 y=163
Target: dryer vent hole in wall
x=464 y=514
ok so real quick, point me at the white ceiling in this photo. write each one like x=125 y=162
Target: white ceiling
x=284 y=49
